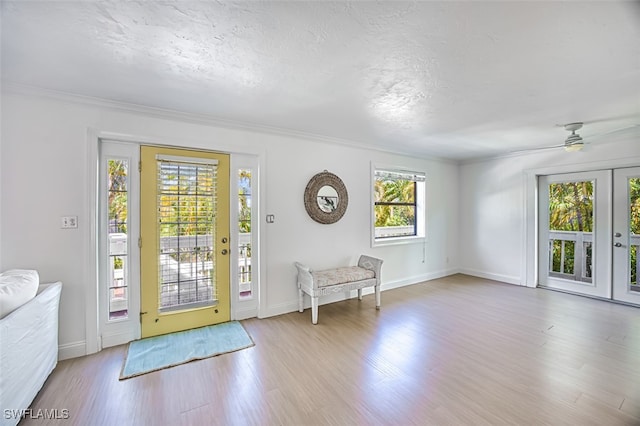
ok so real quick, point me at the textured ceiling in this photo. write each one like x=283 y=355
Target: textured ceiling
x=448 y=79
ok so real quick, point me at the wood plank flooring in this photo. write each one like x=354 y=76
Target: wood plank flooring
x=454 y=351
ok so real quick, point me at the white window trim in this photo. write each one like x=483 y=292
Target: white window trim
x=421 y=212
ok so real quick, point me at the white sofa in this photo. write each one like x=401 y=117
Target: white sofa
x=28 y=350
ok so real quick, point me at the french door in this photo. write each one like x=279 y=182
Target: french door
x=575 y=237
x=589 y=233
x=626 y=235
x=185 y=245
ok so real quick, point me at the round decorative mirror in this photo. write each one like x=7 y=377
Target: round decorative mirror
x=325 y=198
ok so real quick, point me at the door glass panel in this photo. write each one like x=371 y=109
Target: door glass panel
x=571 y=222
x=186 y=224
x=634 y=233
x=117 y=204
x=245 y=287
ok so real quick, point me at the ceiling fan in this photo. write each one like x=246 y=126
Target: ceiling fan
x=574 y=141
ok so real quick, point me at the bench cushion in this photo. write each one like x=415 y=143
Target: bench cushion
x=347 y=274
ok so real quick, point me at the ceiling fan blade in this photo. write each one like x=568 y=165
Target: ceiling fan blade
x=542 y=148
x=611 y=132
x=610 y=119
x=601 y=120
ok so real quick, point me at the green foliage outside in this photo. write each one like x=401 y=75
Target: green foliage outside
x=634 y=195
x=570 y=209
x=571 y=206
x=244 y=199
x=244 y=210
x=117 y=196
x=634 y=211
x=394 y=191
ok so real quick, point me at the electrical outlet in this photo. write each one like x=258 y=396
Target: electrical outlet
x=69 y=222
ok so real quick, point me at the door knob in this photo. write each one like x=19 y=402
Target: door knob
x=224 y=240
x=617 y=235
x=225 y=251
x=618 y=244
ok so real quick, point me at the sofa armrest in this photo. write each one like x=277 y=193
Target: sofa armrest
x=44 y=286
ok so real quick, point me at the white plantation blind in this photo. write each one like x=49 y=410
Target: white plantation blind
x=186 y=160
x=400 y=175
x=186 y=202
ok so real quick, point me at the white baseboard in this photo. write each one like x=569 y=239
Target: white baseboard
x=72 y=350
x=418 y=279
x=491 y=276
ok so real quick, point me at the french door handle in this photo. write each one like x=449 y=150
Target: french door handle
x=618 y=244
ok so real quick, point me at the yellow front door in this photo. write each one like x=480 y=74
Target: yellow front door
x=184 y=207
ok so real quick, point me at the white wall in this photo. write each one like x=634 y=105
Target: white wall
x=44 y=176
x=495 y=213
x=1 y=139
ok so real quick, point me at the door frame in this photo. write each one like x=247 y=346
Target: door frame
x=92 y=342
x=530 y=249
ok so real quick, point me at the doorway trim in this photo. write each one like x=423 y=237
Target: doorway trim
x=529 y=270
x=92 y=342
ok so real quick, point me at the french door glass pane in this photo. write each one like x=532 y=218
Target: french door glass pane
x=571 y=223
x=186 y=223
x=634 y=233
x=117 y=204
x=245 y=287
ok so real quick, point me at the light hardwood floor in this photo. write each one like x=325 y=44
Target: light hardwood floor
x=453 y=351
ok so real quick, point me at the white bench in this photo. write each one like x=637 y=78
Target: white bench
x=322 y=283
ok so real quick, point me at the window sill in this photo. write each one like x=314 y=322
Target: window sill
x=393 y=241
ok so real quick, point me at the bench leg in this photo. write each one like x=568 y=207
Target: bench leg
x=378 y=297
x=314 y=309
x=359 y=294
x=300 y=300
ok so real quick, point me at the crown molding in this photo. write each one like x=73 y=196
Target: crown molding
x=202 y=119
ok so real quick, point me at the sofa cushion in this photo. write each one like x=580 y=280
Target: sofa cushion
x=347 y=274
x=17 y=287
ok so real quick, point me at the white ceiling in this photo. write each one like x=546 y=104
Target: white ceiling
x=448 y=79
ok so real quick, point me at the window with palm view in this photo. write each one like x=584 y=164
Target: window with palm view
x=398 y=204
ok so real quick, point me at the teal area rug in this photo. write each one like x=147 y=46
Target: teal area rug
x=156 y=353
